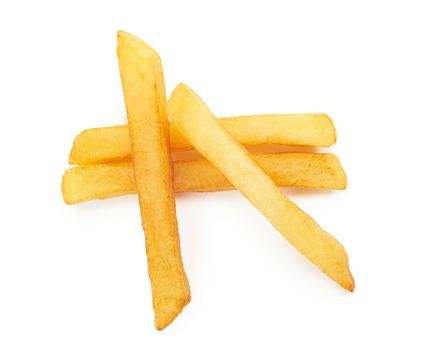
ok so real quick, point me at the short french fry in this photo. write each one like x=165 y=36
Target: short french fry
x=101 y=181
x=196 y=122
x=112 y=144
x=145 y=99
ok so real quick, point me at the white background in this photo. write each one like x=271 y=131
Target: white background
x=74 y=277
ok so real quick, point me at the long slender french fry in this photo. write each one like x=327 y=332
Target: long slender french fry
x=101 y=181
x=197 y=123
x=112 y=144
x=145 y=99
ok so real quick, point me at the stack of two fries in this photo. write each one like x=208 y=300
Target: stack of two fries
x=137 y=158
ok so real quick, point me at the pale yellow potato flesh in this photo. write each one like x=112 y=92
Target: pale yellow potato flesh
x=145 y=100
x=197 y=123
x=101 y=181
x=112 y=144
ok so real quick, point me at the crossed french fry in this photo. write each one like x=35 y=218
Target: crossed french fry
x=102 y=181
x=105 y=170
x=137 y=158
x=112 y=144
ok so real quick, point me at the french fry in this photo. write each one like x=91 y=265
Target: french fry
x=145 y=99
x=112 y=144
x=101 y=181
x=197 y=123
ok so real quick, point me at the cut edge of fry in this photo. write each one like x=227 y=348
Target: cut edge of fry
x=189 y=113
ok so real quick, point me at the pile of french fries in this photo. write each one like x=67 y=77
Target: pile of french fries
x=137 y=158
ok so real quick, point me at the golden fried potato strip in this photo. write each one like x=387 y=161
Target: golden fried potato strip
x=112 y=144
x=101 y=181
x=197 y=123
x=145 y=99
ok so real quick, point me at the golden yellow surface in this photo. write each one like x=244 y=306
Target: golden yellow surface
x=145 y=99
x=101 y=181
x=112 y=144
x=197 y=123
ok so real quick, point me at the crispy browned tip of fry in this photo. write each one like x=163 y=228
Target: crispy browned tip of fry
x=145 y=99
x=197 y=123
x=112 y=144
x=101 y=181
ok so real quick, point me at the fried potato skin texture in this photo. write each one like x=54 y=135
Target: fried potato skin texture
x=101 y=181
x=145 y=100
x=112 y=144
x=197 y=123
